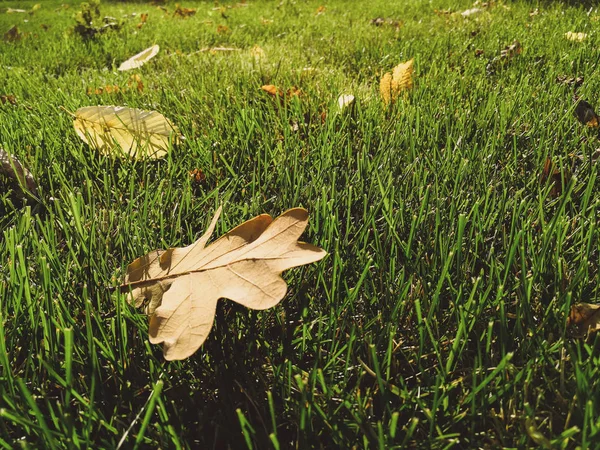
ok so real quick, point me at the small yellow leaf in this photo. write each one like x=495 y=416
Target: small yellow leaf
x=140 y=59
x=120 y=130
x=400 y=80
x=575 y=37
x=181 y=286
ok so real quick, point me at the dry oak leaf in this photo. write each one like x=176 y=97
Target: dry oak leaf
x=586 y=317
x=394 y=83
x=140 y=59
x=181 y=286
x=138 y=133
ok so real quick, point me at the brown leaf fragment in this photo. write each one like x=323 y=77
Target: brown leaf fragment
x=320 y=10
x=183 y=12
x=9 y=98
x=180 y=287
x=223 y=29
x=585 y=114
x=12 y=168
x=586 y=317
x=12 y=34
x=570 y=81
x=558 y=179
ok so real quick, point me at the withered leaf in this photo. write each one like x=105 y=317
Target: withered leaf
x=586 y=115
x=558 y=179
x=123 y=131
x=181 y=286
x=586 y=317
x=12 y=34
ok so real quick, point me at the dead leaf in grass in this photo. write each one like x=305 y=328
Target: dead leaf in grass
x=586 y=317
x=119 y=130
x=9 y=98
x=557 y=179
x=575 y=37
x=397 y=82
x=143 y=20
x=183 y=12
x=586 y=115
x=180 y=287
x=13 y=34
x=272 y=89
x=320 y=10
x=140 y=59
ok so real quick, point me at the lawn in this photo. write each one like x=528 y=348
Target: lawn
x=460 y=221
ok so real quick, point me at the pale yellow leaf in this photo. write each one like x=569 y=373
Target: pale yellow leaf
x=345 y=101
x=575 y=37
x=181 y=286
x=397 y=82
x=120 y=130
x=140 y=59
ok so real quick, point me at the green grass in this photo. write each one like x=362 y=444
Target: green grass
x=438 y=320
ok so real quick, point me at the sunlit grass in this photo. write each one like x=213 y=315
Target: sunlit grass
x=438 y=320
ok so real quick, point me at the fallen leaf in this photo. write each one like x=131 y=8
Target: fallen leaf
x=136 y=80
x=257 y=53
x=138 y=133
x=143 y=20
x=320 y=10
x=12 y=168
x=345 y=101
x=183 y=12
x=34 y=8
x=557 y=179
x=180 y=287
x=586 y=317
x=506 y=55
x=13 y=11
x=10 y=98
x=575 y=37
x=222 y=29
x=586 y=115
x=272 y=89
x=397 y=82
x=197 y=176
x=140 y=59
x=471 y=12
x=570 y=81
x=13 y=34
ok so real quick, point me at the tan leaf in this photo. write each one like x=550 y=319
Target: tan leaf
x=271 y=89
x=12 y=11
x=135 y=132
x=397 y=82
x=140 y=59
x=181 y=286
x=575 y=37
x=586 y=317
